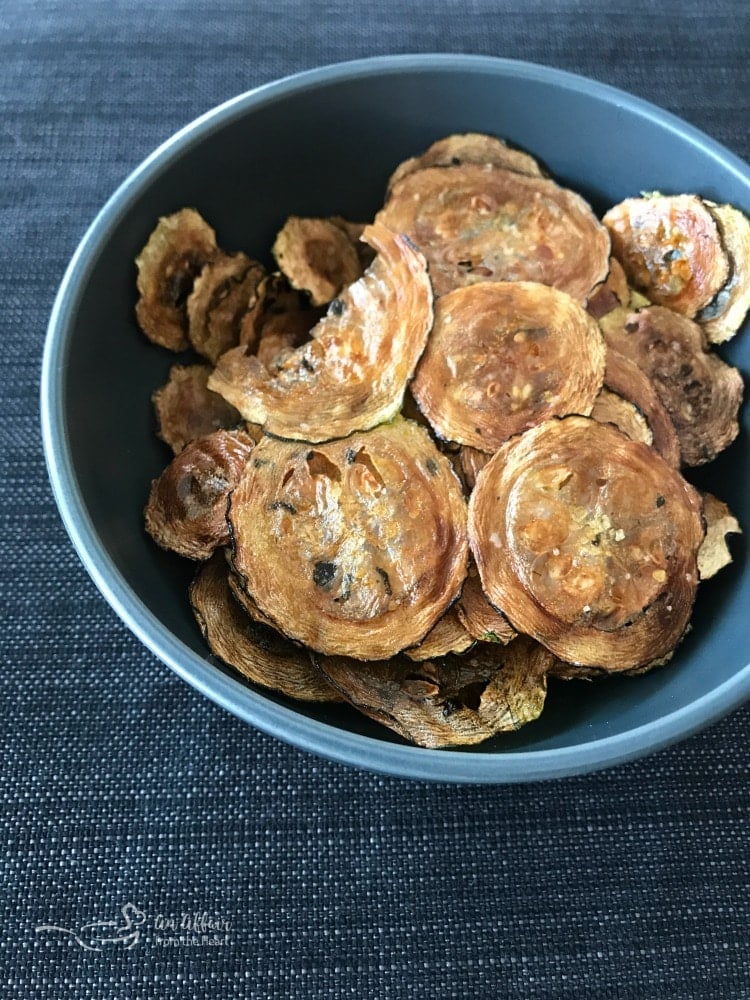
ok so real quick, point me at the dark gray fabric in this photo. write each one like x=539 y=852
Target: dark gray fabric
x=260 y=871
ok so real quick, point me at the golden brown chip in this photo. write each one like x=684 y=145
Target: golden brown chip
x=614 y=291
x=479 y=223
x=352 y=375
x=611 y=408
x=701 y=394
x=456 y=700
x=479 y=618
x=317 y=256
x=221 y=296
x=176 y=252
x=588 y=542
x=186 y=408
x=281 y=335
x=354 y=547
x=354 y=231
x=274 y=296
x=256 y=651
x=670 y=248
x=469 y=147
x=447 y=635
x=723 y=316
x=186 y=509
x=714 y=553
x=503 y=356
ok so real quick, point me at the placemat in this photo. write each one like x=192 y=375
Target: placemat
x=153 y=845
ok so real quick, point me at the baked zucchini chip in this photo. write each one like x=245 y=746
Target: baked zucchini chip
x=700 y=392
x=253 y=649
x=355 y=547
x=447 y=635
x=722 y=317
x=483 y=622
x=452 y=701
x=714 y=553
x=469 y=147
x=671 y=249
x=352 y=375
x=221 y=295
x=317 y=256
x=186 y=508
x=175 y=254
x=588 y=542
x=479 y=223
x=503 y=356
x=186 y=408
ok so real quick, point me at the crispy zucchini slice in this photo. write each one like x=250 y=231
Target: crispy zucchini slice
x=317 y=256
x=722 y=317
x=671 y=249
x=354 y=547
x=175 y=254
x=186 y=508
x=483 y=622
x=479 y=223
x=503 y=356
x=447 y=635
x=714 y=553
x=469 y=147
x=700 y=392
x=253 y=649
x=451 y=701
x=222 y=293
x=186 y=408
x=352 y=375
x=588 y=541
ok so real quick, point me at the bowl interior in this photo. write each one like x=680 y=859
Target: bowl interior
x=325 y=144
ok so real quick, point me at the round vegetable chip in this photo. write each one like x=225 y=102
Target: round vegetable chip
x=256 y=651
x=588 y=541
x=186 y=408
x=221 y=295
x=317 y=256
x=502 y=356
x=450 y=701
x=173 y=257
x=354 y=547
x=353 y=373
x=481 y=223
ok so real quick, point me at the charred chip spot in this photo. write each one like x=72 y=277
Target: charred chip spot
x=432 y=466
x=337 y=307
x=386 y=580
x=283 y=505
x=660 y=501
x=324 y=574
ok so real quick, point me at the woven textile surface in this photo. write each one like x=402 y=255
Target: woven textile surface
x=248 y=868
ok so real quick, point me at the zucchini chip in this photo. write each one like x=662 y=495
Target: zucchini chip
x=186 y=408
x=186 y=509
x=700 y=392
x=479 y=223
x=355 y=547
x=317 y=256
x=483 y=622
x=452 y=701
x=469 y=147
x=175 y=254
x=614 y=291
x=282 y=334
x=253 y=649
x=588 y=542
x=221 y=295
x=447 y=635
x=671 y=249
x=274 y=296
x=722 y=317
x=352 y=375
x=714 y=553
x=630 y=401
x=503 y=356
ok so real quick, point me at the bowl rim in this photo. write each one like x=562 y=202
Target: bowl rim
x=250 y=704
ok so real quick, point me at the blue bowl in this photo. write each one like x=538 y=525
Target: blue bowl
x=320 y=143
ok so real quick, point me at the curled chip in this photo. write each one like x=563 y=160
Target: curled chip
x=176 y=252
x=186 y=509
x=447 y=635
x=352 y=375
x=481 y=223
x=256 y=651
x=588 y=542
x=354 y=547
x=723 y=316
x=479 y=618
x=714 y=553
x=317 y=256
x=469 y=147
x=700 y=392
x=614 y=291
x=456 y=700
x=221 y=295
x=186 y=408
x=670 y=248
x=274 y=296
x=503 y=356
